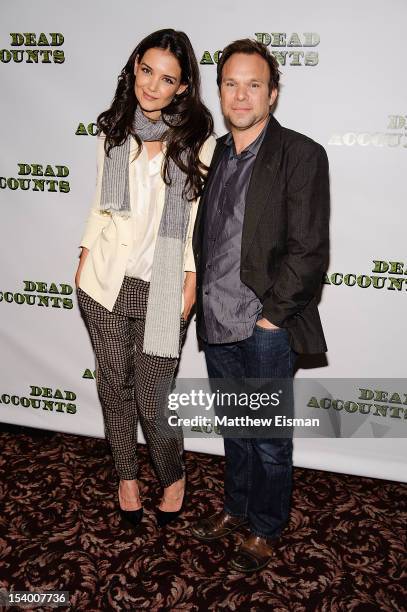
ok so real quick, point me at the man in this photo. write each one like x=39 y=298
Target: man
x=261 y=248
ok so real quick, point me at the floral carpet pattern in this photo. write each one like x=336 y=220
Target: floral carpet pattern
x=344 y=547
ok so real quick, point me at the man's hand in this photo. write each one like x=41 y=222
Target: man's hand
x=266 y=324
x=189 y=293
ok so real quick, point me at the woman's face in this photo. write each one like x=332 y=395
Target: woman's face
x=158 y=80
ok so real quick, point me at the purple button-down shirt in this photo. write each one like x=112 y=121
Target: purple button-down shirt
x=230 y=308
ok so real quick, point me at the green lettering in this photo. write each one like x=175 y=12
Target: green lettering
x=380 y=410
x=206 y=58
x=66 y=289
x=62 y=171
x=59 y=57
x=46 y=56
x=263 y=37
x=46 y=392
x=24 y=169
x=57 y=39
x=395 y=399
x=395 y=283
x=52 y=185
x=364 y=281
x=396 y=267
x=37 y=170
x=24 y=184
x=64 y=187
x=81 y=130
x=278 y=39
x=88 y=374
x=378 y=281
x=5 y=56
x=311 y=58
x=380 y=266
x=311 y=39
x=381 y=396
x=32 y=56
x=93 y=129
x=295 y=55
x=30 y=39
x=366 y=394
x=49 y=171
x=280 y=56
x=13 y=183
x=16 y=39
x=56 y=302
x=42 y=40
x=294 y=41
x=39 y=184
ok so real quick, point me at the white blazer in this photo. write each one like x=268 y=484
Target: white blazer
x=109 y=238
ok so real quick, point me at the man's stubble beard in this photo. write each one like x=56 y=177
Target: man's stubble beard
x=245 y=126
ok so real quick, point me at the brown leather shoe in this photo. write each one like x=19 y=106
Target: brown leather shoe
x=217 y=526
x=254 y=554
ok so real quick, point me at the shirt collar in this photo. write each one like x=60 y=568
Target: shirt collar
x=252 y=148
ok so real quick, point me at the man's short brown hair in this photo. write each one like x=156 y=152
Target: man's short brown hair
x=249 y=47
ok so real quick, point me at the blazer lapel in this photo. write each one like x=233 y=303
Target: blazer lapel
x=261 y=183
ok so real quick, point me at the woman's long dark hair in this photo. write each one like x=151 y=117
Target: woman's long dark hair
x=195 y=125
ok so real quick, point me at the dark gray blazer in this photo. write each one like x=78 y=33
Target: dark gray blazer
x=285 y=240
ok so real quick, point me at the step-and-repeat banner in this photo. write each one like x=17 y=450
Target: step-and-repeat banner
x=343 y=85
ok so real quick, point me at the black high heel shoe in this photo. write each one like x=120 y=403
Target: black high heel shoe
x=164 y=518
x=132 y=517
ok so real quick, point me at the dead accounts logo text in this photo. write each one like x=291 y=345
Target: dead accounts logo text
x=395 y=136
x=46 y=398
x=38 y=293
x=391 y=275
x=288 y=49
x=38 y=177
x=33 y=48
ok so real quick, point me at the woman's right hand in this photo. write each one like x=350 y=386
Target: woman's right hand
x=82 y=260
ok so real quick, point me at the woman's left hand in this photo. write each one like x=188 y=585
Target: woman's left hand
x=189 y=293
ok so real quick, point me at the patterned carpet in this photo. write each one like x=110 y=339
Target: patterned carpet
x=344 y=548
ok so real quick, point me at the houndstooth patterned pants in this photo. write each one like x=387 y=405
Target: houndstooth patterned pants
x=131 y=384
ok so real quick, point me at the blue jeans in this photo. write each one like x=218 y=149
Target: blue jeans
x=258 y=471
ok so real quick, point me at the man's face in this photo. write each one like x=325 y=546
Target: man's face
x=244 y=90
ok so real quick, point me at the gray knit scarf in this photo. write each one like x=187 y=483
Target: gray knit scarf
x=163 y=318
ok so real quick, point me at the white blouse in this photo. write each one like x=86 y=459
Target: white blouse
x=145 y=215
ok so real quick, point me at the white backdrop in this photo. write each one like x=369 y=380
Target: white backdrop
x=346 y=91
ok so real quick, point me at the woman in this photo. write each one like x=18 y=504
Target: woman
x=136 y=275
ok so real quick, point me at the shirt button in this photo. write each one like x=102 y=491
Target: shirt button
x=206 y=292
